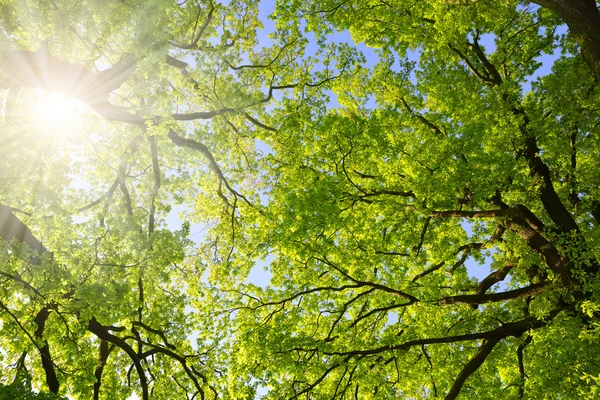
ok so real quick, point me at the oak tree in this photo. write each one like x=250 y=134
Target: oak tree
x=93 y=301
x=457 y=148
x=368 y=184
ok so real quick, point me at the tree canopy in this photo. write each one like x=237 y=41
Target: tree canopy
x=419 y=179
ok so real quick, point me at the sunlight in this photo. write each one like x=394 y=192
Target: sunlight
x=44 y=128
x=54 y=111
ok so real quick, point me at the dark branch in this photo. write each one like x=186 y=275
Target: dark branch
x=11 y=228
x=47 y=363
x=515 y=329
x=493 y=278
x=422 y=238
x=520 y=350
x=104 y=351
x=471 y=367
x=506 y=212
x=103 y=333
x=494 y=297
x=195 y=145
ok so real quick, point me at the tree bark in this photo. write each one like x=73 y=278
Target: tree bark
x=47 y=363
x=11 y=228
x=583 y=19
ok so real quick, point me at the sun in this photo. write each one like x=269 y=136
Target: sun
x=53 y=111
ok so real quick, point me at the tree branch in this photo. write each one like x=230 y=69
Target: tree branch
x=212 y=163
x=552 y=203
x=490 y=68
x=471 y=367
x=374 y=285
x=511 y=329
x=104 y=352
x=583 y=19
x=47 y=363
x=493 y=278
x=103 y=333
x=503 y=212
x=11 y=228
x=515 y=294
x=156 y=188
x=417 y=248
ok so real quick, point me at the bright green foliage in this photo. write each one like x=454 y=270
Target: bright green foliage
x=101 y=309
x=429 y=214
x=21 y=390
x=442 y=155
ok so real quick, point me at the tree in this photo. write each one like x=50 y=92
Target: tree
x=93 y=299
x=449 y=150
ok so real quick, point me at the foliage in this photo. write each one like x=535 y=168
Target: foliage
x=428 y=212
x=21 y=390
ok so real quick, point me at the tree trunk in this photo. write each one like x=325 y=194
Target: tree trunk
x=583 y=19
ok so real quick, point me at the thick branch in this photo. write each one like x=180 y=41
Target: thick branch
x=494 y=297
x=195 y=145
x=504 y=212
x=417 y=248
x=315 y=383
x=191 y=372
x=202 y=114
x=428 y=271
x=47 y=363
x=103 y=333
x=44 y=350
x=552 y=203
x=182 y=66
x=526 y=225
x=493 y=278
x=434 y=128
x=104 y=351
x=39 y=69
x=495 y=76
x=204 y=26
x=193 y=45
x=11 y=228
x=472 y=67
x=155 y=331
x=259 y=124
x=212 y=163
x=520 y=350
x=583 y=19
x=472 y=366
x=23 y=282
x=106 y=195
x=596 y=211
